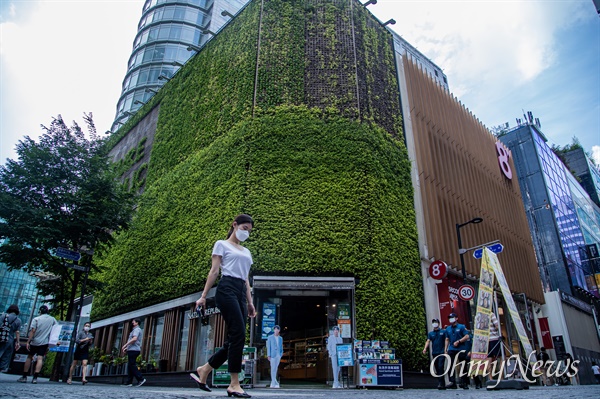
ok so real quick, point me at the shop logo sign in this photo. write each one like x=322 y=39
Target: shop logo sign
x=503 y=157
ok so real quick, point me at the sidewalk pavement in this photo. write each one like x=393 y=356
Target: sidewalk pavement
x=45 y=389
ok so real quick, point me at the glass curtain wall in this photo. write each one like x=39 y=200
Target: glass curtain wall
x=166 y=31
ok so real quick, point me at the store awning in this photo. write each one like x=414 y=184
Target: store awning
x=303 y=283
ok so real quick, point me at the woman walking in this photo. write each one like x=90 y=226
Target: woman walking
x=82 y=353
x=234 y=299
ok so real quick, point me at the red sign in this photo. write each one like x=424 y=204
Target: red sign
x=438 y=270
x=466 y=292
x=545 y=333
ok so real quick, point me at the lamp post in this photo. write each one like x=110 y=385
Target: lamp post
x=462 y=259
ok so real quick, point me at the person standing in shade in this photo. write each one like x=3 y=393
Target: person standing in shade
x=11 y=322
x=457 y=348
x=543 y=357
x=596 y=371
x=437 y=340
x=37 y=342
x=82 y=353
x=332 y=350
x=274 y=353
x=234 y=299
x=133 y=347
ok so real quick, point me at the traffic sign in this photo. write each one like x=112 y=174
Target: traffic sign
x=68 y=254
x=438 y=270
x=466 y=292
x=496 y=248
x=76 y=267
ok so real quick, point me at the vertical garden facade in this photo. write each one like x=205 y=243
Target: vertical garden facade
x=290 y=114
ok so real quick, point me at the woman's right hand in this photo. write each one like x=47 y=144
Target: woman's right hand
x=201 y=302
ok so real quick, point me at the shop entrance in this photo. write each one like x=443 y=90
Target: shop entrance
x=306 y=313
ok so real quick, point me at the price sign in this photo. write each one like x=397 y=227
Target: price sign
x=466 y=292
x=438 y=270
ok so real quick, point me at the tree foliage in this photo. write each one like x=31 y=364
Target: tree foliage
x=59 y=193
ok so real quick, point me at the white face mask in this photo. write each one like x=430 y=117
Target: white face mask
x=452 y=320
x=242 y=235
x=86 y=329
x=435 y=325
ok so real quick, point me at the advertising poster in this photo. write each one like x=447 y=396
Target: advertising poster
x=483 y=316
x=269 y=311
x=510 y=303
x=380 y=372
x=345 y=328
x=60 y=336
x=343 y=311
x=345 y=355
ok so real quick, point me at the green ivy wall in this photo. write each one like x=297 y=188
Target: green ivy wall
x=302 y=132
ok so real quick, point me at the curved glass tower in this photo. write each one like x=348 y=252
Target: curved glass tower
x=166 y=31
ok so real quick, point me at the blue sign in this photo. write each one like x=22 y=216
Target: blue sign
x=496 y=248
x=68 y=254
x=269 y=314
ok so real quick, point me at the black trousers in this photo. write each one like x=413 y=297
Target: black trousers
x=231 y=301
x=440 y=361
x=462 y=356
x=132 y=370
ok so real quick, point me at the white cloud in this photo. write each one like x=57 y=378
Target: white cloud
x=596 y=155
x=63 y=58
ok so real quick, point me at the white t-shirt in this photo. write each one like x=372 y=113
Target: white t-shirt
x=235 y=262
x=596 y=369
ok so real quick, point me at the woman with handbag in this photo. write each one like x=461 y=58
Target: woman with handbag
x=234 y=299
x=82 y=353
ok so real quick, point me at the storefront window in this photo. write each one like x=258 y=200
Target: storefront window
x=156 y=338
x=183 y=339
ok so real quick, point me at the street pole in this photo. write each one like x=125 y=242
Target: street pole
x=464 y=272
x=462 y=260
x=77 y=317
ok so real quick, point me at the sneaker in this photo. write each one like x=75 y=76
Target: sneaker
x=22 y=379
x=34 y=381
x=451 y=386
x=128 y=384
x=142 y=382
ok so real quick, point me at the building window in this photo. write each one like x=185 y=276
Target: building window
x=184 y=340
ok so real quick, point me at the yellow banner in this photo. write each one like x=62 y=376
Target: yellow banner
x=483 y=316
x=492 y=260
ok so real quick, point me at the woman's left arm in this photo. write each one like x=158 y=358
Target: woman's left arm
x=251 y=310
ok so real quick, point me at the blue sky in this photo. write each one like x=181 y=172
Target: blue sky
x=501 y=58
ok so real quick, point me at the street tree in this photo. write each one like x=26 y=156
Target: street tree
x=60 y=192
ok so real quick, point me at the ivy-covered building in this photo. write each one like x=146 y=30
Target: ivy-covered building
x=291 y=114
x=299 y=113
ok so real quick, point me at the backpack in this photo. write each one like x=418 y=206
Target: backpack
x=5 y=329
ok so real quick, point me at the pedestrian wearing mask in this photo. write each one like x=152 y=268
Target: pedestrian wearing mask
x=332 y=342
x=437 y=340
x=82 y=353
x=9 y=336
x=274 y=353
x=234 y=299
x=457 y=348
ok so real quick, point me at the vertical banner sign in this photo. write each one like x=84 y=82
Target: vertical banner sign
x=510 y=303
x=268 y=319
x=483 y=316
x=545 y=332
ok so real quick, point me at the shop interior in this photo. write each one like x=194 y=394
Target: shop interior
x=305 y=318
